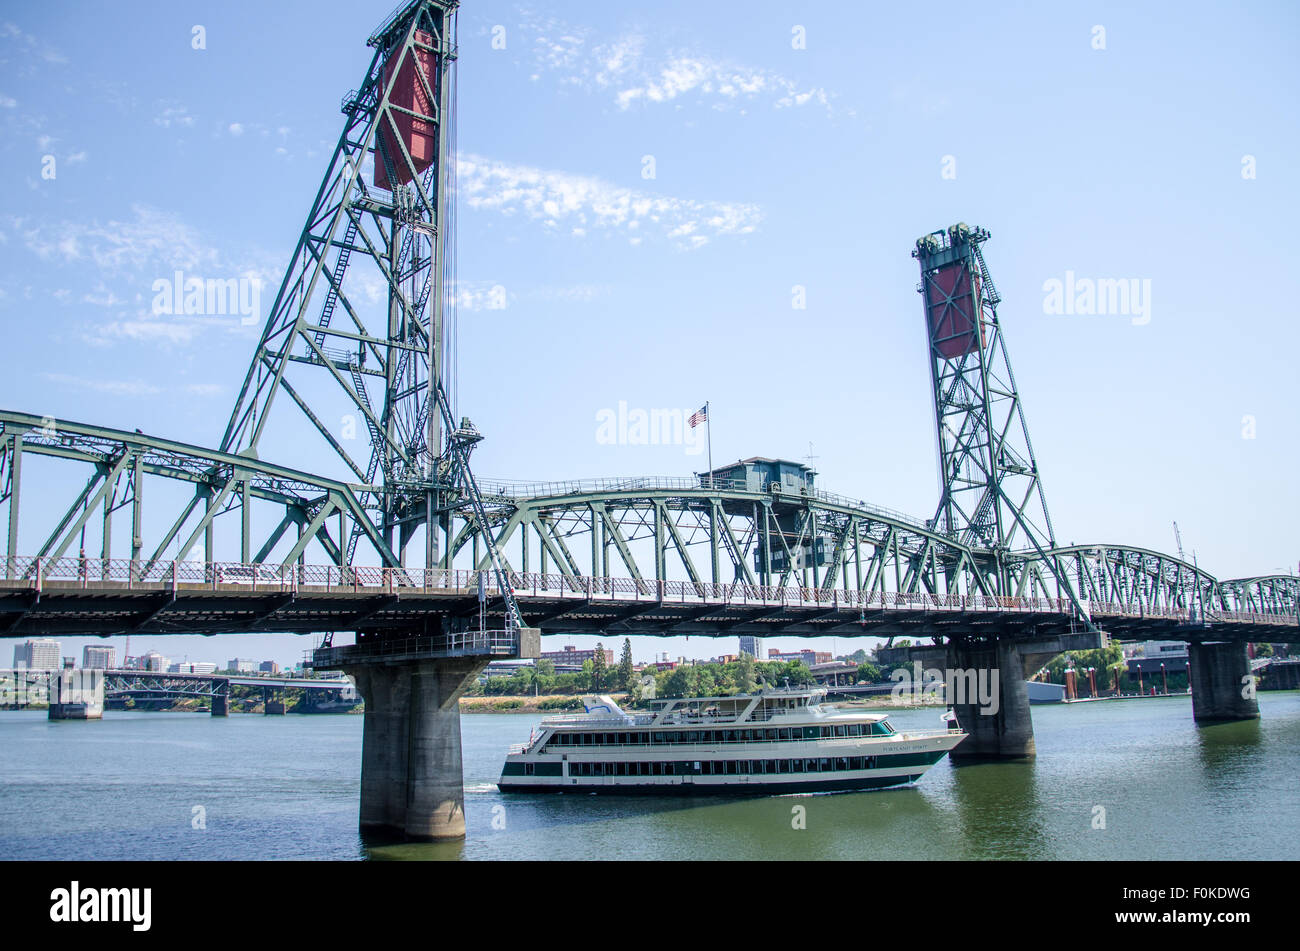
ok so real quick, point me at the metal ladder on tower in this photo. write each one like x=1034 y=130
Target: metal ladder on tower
x=987 y=279
x=340 y=268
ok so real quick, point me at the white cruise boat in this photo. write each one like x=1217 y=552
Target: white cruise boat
x=779 y=740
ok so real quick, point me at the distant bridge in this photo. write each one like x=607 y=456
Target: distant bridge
x=164 y=685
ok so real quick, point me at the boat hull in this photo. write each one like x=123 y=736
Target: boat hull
x=713 y=789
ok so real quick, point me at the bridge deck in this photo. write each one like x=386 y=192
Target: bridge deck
x=64 y=597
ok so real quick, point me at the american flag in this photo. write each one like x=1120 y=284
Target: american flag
x=700 y=416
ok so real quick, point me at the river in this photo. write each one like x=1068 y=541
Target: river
x=1129 y=779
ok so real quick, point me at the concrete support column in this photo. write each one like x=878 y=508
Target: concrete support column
x=76 y=695
x=273 y=703
x=411 y=780
x=220 y=705
x=1219 y=686
x=1007 y=733
x=383 y=746
x=435 y=791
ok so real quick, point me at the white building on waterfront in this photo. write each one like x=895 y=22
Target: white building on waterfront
x=98 y=657
x=41 y=654
x=201 y=667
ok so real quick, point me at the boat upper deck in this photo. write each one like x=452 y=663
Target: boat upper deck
x=766 y=706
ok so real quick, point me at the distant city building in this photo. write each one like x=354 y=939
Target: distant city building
x=504 y=668
x=42 y=654
x=1161 y=649
x=806 y=657
x=241 y=665
x=192 y=668
x=98 y=658
x=153 y=661
x=269 y=667
x=753 y=646
x=572 y=657
x=1150 y=656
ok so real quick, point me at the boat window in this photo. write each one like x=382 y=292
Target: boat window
x=824 y=765
x=841 y=730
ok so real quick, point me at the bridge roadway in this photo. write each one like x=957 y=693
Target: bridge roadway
x=106 y=597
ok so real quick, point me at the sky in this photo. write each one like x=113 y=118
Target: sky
x=647 y=195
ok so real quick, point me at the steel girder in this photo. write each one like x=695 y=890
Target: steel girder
x=221 y=491
x=718 y=536
x=1271 y=594
x=1134 y=578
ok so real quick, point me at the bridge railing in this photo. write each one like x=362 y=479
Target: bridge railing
x=515 y=490
x=34 y=572
x=460 y=643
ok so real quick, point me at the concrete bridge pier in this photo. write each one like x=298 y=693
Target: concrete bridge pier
x=1218 y=675
x=411 y=752
x=220 y=704
x=1004 y=731
x=76 y=695
x=995 y=731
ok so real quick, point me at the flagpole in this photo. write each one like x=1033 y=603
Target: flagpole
x=708 y=422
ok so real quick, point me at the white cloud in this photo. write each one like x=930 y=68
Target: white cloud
x=110 y=387
x=150 y=238
x=624 y=69
x=173 y=113
x=121 y=259
x=235 y=129
x=169 y=331
x=587 y=203
x=102 y=297
x=7 y=102
x=28 y=47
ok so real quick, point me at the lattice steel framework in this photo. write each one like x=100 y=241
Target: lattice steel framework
x=991 y=496
x=387 y=238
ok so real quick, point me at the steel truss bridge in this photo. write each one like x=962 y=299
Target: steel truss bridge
x=113 y=532
x=645 y=556
x=156 y=684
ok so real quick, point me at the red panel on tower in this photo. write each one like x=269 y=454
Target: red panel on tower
x=409 y=93
x=952 y=305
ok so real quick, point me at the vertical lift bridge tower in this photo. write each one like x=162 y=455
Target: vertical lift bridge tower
x=990 y=493
x=383 y=218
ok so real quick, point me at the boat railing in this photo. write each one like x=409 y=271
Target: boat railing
x=656 y=741
x=580 y=719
